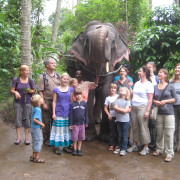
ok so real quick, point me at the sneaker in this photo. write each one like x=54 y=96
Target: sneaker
x=74 y=152
x=27 y=142
x=17 y=142
x=133 y=148
x=80 y=153
x=117 y=151
x=123 y=152
x=144 y=151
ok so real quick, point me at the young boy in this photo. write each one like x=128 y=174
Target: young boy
x=111 y=115
x=78 y=120
x=36 y=125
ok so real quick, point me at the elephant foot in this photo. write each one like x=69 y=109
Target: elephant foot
x=90 y=135
x=104 y=136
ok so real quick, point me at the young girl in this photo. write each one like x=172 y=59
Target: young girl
x=152 y=68
x=111 y=115
x=73 y=82
x=122 y=107
x=62 y=97
x=36 y=125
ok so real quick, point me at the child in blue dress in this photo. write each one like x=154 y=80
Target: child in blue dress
x=122 y=107
x=62 y=97
x=36 y=125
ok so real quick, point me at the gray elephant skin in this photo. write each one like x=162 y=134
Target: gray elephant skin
x=97 y=48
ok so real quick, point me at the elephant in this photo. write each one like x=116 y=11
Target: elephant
x=97 y=50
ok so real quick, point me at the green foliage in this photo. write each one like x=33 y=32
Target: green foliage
x=159 y=41
x=67 y=38
x=104 y=11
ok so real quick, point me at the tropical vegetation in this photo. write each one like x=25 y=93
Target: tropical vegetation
x=152 y=35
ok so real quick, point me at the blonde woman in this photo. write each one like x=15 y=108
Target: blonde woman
x=122 y=108
x=176 y=83
x=22 y=88
x=164 y=98
x=62 y=97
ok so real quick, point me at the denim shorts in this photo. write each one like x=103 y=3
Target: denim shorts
x=21 y=111
x=36 y=139
x=78 y=133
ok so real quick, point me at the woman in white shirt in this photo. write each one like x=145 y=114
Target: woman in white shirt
x=141 y=105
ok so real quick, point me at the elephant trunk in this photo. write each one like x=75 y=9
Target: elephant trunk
x=98 y=42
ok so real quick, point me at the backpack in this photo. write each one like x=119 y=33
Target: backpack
x=46 y=80
x=157 y=80
x=18 y=79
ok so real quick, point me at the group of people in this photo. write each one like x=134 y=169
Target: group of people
x=60 y=109
x=132 y=106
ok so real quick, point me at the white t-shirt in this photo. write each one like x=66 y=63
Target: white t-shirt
x=140 y=93
x=153 y=79
x=109 y=101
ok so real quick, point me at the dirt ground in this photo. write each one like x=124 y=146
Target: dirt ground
x=96 y=163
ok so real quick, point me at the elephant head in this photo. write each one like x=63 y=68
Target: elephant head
x=99 y=45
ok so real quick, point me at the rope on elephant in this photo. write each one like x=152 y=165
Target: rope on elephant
x=102 y=75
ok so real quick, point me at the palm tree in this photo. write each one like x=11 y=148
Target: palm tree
x=26 y=32
x=56 y=22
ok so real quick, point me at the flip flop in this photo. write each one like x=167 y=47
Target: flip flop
x=156 y=153
x=168 y=159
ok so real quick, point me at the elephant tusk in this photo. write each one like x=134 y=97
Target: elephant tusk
x=107 y=67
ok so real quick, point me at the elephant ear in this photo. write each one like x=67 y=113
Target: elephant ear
x=110 y=46
x=121 y=51
x=77 y=48
x=87 y=46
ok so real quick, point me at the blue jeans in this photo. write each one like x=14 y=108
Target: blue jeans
x=36 y=139
x=122 y=128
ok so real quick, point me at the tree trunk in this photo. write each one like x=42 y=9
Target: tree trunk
x=26 y=32
x=126 y=5
x=150 y=4
x=56 y=22
x=177 y=2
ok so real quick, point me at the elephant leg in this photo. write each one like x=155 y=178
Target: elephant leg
x=104 y=127
x=97 y=106
x=90 y=130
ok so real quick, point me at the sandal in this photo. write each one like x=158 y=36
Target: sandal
x=67 y=149
x=31 y=158
x=168 y=158
x=110 y=148
x=156 y=153
x=58 y=151
x=38 y=160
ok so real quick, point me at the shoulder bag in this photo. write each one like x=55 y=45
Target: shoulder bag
x=154 y=109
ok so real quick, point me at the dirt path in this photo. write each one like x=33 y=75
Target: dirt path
x=97 y=163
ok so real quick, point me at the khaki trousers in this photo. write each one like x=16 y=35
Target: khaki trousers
x=165 y=125
x=176 y=132
x=140 y=125
x=47 y=120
